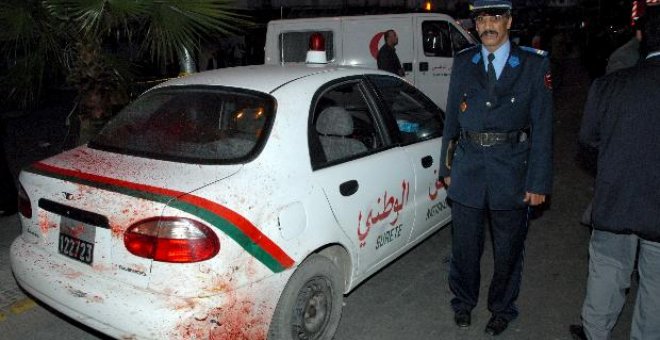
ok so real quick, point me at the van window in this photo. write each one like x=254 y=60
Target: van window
x=437 y=42
x=294 y=45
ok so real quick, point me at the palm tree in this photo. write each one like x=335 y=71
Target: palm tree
x=80 y=39
x=30 y=44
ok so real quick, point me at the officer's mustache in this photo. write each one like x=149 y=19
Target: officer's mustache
x=481 y=35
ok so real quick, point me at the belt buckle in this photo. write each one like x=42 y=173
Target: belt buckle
x=485 y=140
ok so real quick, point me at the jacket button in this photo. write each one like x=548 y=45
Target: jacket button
x=489 y=104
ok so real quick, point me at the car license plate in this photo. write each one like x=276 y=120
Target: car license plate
x=77 y=240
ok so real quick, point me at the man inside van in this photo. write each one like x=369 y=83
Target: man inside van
x=387 y=58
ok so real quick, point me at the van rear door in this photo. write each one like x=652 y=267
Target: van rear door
x=438 y=40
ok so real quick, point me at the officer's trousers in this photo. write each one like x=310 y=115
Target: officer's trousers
x=508 y=232
x=611 y=263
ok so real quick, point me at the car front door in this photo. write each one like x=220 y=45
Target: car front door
x=368 y=183
x=419 y=124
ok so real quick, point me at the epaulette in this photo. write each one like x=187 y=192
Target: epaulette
x=531 y=50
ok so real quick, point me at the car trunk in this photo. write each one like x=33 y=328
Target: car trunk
x=84 y=200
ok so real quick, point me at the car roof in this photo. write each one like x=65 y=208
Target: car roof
x=267 y=78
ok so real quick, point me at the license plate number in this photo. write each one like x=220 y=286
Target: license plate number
x=77 y=240
x=76 y=249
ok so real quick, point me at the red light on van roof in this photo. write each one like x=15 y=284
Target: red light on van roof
x=316 y=53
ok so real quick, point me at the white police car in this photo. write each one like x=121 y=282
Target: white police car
x=234 y=204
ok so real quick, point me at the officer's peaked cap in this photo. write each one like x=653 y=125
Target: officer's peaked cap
x=490 y=7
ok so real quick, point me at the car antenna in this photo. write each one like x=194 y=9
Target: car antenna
x=281 y=37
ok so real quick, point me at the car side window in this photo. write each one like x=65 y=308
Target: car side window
x=437 y=42
x=417 y=117
x=342 y=125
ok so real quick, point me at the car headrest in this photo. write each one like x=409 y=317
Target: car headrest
x=336 y=121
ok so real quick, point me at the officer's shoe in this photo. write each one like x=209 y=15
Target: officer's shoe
x=577 y=332
x=462 y=318
x=496 y=325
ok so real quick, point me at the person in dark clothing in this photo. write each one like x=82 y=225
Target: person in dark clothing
x=626 y=55
x=621 y=120
x=387 y=59
x=8 y=194
x=629 y=54
x=498 y=94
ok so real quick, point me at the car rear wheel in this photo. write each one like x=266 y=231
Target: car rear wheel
x=310 y=305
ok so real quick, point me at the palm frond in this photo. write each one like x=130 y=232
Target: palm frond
x=41 y=36
x=177 y=24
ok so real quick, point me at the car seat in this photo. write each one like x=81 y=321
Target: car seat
x=335 y=127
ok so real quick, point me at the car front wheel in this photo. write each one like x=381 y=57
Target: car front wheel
x=311 y=303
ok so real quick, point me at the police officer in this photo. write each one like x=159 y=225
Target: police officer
x=499 y=117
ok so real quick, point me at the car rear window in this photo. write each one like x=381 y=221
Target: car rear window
x=191 y=124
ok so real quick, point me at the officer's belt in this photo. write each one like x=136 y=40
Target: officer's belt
x=495 y=138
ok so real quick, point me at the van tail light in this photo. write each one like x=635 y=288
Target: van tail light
x=171 y=239
x=24 y=205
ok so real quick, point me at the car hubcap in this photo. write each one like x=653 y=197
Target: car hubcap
x=314 y=304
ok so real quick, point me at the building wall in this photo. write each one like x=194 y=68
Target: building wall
x=412 y=4
x=562 y=3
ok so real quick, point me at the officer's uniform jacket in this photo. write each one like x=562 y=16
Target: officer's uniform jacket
x=497 y=177
x=622 y=119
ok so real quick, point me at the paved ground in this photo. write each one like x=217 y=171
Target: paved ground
x=408 y=299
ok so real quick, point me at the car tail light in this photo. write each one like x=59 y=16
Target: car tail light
x=24 y=205
x=171 y=239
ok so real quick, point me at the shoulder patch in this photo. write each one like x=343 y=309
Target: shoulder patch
x=547 y=80
x=541 y=53
x=514 y=61
x=476 y=58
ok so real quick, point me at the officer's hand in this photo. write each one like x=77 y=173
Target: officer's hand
x=534 y=199
x=447 y=180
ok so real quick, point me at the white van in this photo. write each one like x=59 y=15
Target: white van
x=427 y=44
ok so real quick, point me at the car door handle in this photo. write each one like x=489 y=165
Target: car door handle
x=424 y=66
x=427 y=161
x=407 y=67
x=348 y=188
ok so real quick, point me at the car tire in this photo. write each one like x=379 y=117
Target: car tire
x=311 y=304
